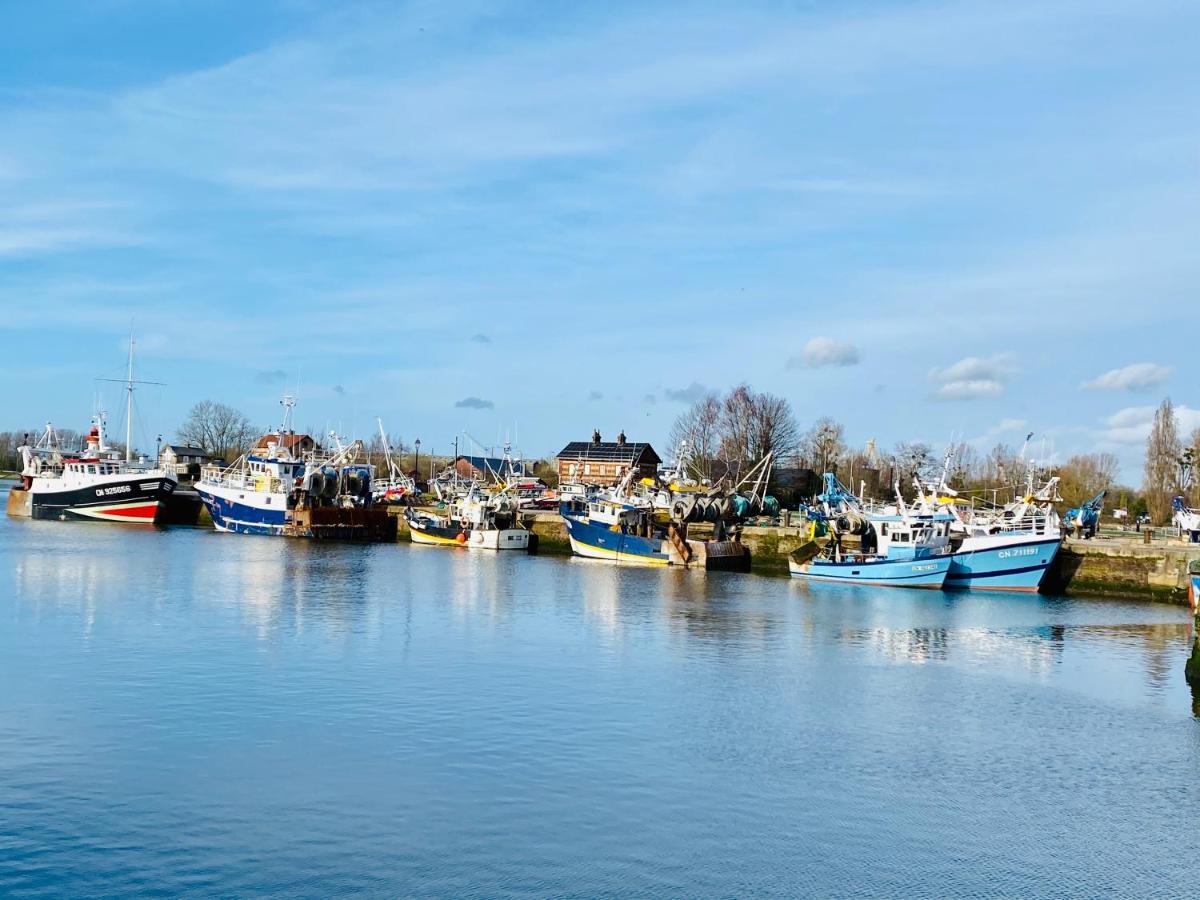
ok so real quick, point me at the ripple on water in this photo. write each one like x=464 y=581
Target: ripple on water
x=192 y=713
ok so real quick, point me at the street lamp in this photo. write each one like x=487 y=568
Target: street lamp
x=417 y=463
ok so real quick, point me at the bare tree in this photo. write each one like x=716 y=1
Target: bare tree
x=1163 y=450
x=217 y=429
x=1085 y=475
x=823 y=445
x=697 y=433
x=913 y=459
x=965 y=465
x=753 y=424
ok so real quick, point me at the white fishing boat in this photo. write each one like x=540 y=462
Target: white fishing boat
x=96 y=481
x=478 y=521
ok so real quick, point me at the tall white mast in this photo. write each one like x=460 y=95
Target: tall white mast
x=129 y=405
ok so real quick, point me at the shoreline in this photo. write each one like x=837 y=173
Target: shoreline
x=1109 y=566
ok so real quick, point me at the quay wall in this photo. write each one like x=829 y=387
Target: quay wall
x=1106 y=566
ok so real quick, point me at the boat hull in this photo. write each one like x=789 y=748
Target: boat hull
x=594 y=541
x=244 y=512
x=929 y=572
x=1010 y=563
x=131 y=500
x=434 y=533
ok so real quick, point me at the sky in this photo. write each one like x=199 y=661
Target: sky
x=929 y=220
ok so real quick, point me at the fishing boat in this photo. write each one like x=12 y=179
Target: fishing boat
x=897 y=547
x=273 y=492
x=397 y=487
x=620 y=525
x=478 y=521
x=95 y=482
x=1009 y=548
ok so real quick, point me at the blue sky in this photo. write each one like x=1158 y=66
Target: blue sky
x=924 y=219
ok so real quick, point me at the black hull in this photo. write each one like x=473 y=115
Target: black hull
x=136 y=500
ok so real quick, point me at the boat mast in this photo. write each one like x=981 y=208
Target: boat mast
x=129 y=405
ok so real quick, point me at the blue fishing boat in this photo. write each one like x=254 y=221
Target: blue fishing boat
x=625 y=526
x=896 y=548
x=272 y=492
x=1006 y=548
x=607 y=530
x=851 y=568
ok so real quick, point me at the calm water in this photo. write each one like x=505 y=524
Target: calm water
x=188 y=712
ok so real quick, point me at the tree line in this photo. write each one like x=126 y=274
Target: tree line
x=741 y=425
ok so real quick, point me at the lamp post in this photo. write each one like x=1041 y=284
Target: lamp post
x=417 y=462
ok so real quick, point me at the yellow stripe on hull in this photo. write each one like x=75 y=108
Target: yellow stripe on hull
x=420 y=537
x=589 y=552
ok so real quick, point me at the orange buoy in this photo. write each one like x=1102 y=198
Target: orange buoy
x=462 y=537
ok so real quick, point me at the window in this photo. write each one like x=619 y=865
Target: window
x=91 y=470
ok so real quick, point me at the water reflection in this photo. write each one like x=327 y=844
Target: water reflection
x=1036 y=650
x=277 y=583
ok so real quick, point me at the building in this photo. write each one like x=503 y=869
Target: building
x=183 y=459
x=489 y=467
x=295 y=444
x=600 y=462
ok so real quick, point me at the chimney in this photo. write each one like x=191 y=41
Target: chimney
x=621 y=439
x=596 y=437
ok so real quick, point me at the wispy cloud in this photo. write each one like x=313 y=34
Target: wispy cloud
x=595 y=395
x=1135 y=377
x=481 y=339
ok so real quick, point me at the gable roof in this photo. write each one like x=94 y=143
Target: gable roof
x=290 y=440
x=610 y=452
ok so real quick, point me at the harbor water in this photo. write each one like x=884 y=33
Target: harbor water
x=186 y=712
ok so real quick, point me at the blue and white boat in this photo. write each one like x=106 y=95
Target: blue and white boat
x=604 y=528
x=1009 y=548
x=897 y=548
x=272 y=492
x=251 y=495
x=624 y=525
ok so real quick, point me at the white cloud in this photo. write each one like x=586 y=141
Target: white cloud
x=1131 y=425
x=973 y=377
x=975 y=389
x=825 y=351
x=1135 y=377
